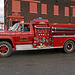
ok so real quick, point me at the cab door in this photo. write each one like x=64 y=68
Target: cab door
x=24 y=36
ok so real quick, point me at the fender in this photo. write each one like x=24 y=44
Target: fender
x=10 y=38
x=62 y=40
x=69 y=39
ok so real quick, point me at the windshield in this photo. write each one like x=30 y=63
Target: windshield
x=14 y=27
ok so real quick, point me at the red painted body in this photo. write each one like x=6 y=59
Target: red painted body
x=41 y=34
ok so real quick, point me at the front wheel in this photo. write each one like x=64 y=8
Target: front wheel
x=69 y=46
x=5 y=49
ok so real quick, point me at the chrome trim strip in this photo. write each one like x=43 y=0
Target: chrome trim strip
x=65 y=36
x=61 y=28
x=63 y=31
x=42 y=27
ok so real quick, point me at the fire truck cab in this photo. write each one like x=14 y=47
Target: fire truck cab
x=37 y=34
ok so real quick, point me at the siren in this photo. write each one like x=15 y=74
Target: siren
x=22 y=20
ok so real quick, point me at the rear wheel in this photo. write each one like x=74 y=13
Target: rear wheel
x=69 y=46
x=5 y=49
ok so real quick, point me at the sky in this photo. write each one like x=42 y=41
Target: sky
x=1 y=10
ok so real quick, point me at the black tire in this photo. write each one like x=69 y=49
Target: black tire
x=69 y=46
x=6 y=46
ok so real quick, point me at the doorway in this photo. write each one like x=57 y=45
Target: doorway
x=13 y=22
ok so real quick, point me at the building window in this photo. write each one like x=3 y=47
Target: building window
x=66 y=11
x=33 y=7
x=56 y=10
x=16 y=5
x=73 y=12
x=43 y=8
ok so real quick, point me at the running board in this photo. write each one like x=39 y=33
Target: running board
x=30 y=47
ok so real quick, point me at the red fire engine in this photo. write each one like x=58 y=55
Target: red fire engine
x=37 y=34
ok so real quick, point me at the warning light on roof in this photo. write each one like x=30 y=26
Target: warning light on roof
x=39 y=18
x=22 y=20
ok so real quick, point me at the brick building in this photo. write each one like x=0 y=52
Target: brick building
x=56 y=11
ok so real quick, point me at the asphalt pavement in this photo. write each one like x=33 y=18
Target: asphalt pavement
x=44 y=62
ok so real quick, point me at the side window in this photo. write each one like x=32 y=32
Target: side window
x=26 y=28
x=20 y=28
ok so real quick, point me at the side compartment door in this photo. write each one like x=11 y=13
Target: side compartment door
x=43 y=35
